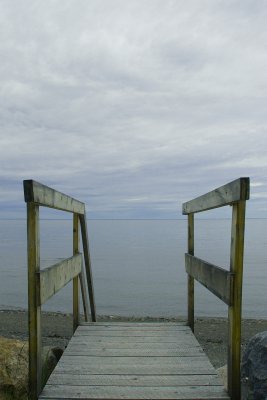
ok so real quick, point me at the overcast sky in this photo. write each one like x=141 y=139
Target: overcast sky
x=132 y=106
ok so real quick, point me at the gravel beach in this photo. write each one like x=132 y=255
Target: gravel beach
x=57 y=330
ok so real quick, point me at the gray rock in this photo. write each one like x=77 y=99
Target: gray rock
x=254 y=368
x=50 y=358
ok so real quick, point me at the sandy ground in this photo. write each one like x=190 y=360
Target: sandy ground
x=57 y=330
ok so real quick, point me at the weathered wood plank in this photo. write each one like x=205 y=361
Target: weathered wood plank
x=134 y=334
x=151 y=328
x=125 y=339
x=86 y=306
x=222 y=196
x=134 y=380
x=82 y=361
x=130 y=325
x=146 y=325
x=80 y=350
x=234 y=312
x=87 y=262
x=216 y=279
x=179 y=337
x=181 y=348
x=111 y=392
x=190 y=279
x=178 y=369
x=112 y=331
x=35 y=192
x=34 y=314
x=135 y=343
x=75 y=283
x=183 y=338
x=53 y=278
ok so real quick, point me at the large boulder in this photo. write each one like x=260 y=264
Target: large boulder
x=254 y=368
x=14 y=367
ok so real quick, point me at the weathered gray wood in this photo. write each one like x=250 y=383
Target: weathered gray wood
x=234 y=312
x=136 y=342
x=75 y=283
x=195 y=367
x=133 y=367
x=97 y=340
x=216 y=279
x=132 y=334
x=34 y=309
x=86 y=306
x=190 y=279
x=84 y=360
x=188 y=351
x=125 y=343
x=134 y=380
x=53 y=278
x=125 y=339
x=147 y=325
x=222 y=196
x=226 y=285
x=35 y=192
x=145 y=329
x=111 y=392
x=87 y=262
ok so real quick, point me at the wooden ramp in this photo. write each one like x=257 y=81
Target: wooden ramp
x=134 y=361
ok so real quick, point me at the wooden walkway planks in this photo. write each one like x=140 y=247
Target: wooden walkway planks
x=133 y=361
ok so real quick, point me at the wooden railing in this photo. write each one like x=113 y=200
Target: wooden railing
x=43 y=284
x=227 y=285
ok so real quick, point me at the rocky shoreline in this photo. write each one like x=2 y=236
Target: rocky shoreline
x=57 y=330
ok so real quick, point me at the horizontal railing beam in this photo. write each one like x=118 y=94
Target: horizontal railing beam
x=222 y=196
x=35 y=192
x=54 y=278
x=216 y=279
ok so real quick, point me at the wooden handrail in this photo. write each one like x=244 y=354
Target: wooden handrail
x=222 y=196
x=42 y=284
x=39 y=194
x=227 y=285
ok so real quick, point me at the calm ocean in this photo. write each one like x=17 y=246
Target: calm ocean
x=138 y=265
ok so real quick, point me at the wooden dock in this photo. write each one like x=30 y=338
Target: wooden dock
x=134 y=361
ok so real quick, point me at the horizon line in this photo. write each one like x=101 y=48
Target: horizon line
x=127 y=219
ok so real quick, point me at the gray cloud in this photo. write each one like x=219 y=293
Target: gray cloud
x=134 y=107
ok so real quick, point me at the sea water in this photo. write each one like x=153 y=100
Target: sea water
x=138 y=265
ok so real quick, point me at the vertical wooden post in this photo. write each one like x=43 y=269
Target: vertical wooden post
x=87 y=262
x=34 y=308
x=190 y=279
x=234 y=311
x=76 y=279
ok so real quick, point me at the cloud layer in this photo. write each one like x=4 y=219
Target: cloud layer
x=133 y=107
